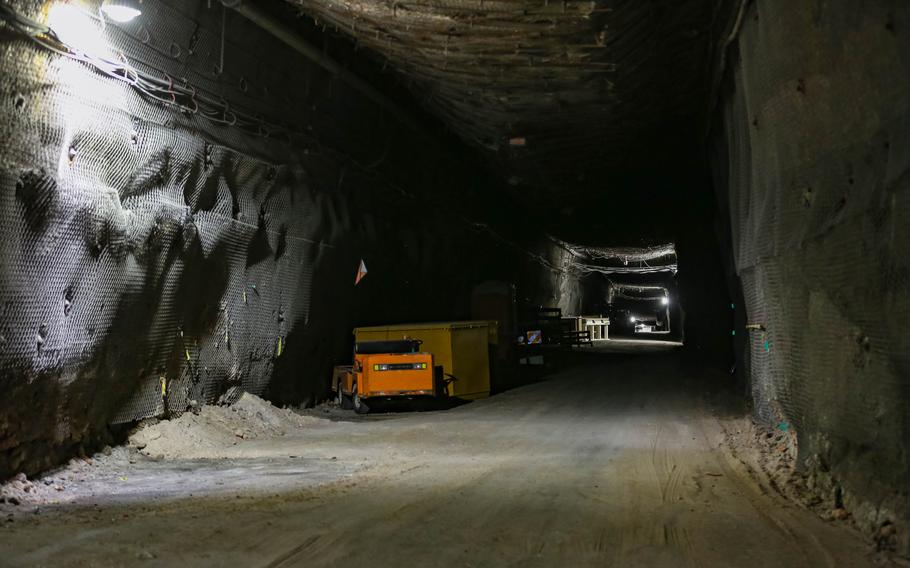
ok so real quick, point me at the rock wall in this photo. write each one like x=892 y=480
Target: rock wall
x=811 y=150
x=154 y=257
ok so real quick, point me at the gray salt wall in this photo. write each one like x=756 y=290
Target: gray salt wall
x=152 y=259
x=811 y=150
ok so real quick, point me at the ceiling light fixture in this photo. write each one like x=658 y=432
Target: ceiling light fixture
x=121 y=11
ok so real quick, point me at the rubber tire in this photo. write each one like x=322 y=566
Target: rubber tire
x=342 y=400
x=360 y=407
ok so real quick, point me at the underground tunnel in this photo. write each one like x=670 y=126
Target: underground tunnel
x=454 y=282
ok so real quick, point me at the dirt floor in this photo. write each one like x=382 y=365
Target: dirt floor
x=620 y=460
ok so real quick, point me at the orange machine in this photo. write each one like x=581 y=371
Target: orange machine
x=385 y=369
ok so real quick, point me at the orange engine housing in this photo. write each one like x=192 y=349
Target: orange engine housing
x=389 y=374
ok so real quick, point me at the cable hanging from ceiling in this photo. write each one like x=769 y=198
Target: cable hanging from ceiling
x=632 y=260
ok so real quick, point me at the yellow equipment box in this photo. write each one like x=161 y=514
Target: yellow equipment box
x=461 y=347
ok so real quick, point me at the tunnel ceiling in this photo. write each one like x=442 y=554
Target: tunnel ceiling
x=555 y=92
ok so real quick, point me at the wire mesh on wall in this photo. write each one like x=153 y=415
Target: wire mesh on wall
x=146 y=246
x=816 y=201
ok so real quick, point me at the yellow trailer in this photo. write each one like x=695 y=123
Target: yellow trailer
x=462 y=348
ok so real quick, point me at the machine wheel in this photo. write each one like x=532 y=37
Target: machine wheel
x=343 y=400
x=360 y=406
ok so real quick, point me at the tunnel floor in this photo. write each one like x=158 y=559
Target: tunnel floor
x=616 y=461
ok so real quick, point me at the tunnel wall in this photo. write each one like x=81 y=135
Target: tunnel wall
x=153 y=258
x=811 y=151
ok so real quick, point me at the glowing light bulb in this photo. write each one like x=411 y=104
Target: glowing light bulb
x=665 y=300
x=120 y=12
x=632 y=319
x=76 y=28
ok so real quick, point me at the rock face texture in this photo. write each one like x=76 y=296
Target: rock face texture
x=155 y=254
x=811 y=151
x=554 y=92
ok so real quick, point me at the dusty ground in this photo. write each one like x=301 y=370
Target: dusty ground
x=615 y=462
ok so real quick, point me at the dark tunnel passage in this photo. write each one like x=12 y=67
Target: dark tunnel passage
x=454 y=282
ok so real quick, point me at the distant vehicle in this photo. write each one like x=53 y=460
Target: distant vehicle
x=647 y=324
